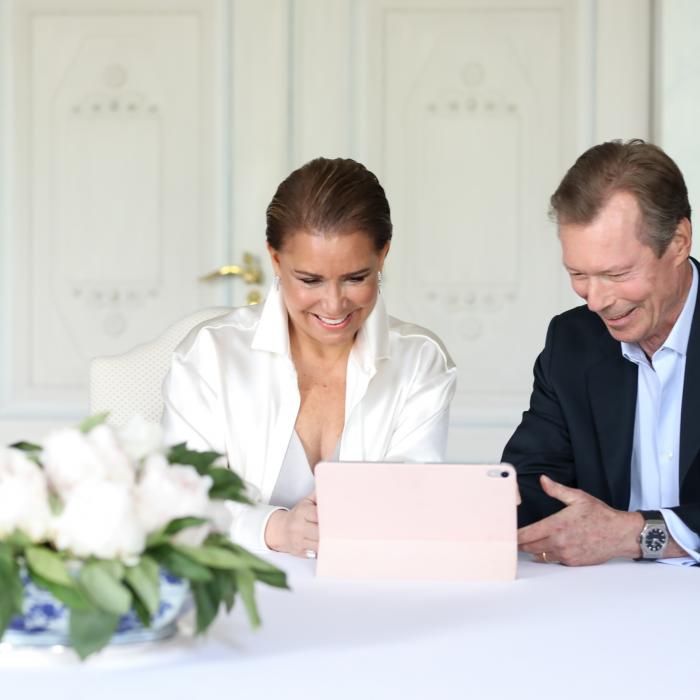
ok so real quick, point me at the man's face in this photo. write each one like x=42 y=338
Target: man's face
x=637 y=295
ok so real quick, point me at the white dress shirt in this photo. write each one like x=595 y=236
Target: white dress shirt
x=232 y=388
x=654 y=477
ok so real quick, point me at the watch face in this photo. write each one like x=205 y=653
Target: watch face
x=654 y=539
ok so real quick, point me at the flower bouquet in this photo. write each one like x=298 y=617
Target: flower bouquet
x=107 y=533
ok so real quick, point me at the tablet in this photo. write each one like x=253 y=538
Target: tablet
x=381 y=520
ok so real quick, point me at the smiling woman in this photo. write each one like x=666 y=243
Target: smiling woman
x=319 y=371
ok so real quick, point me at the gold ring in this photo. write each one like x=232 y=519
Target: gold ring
x=544 y=557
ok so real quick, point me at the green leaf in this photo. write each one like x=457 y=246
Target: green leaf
x=91 y=630
x=92 y=422
x=201 y=461
x=278 y=579
x=113 y=567
x=140 y=609
x=11 y=589
x=7 y=609
x=245 y=581
x=143 y=580
x=180 y=564
x=175 y=526
x=206 y=599
x=227 y=485
x=49 y=565
x=226 y=582
x=252 y=561
x=68 y=595
x=18 y=541
x=163 y=535
x=214 y=557
x=26 y=446
x=222 y=475
x=106 y=591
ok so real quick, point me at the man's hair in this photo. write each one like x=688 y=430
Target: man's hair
x=641 y=169
x=329 y=197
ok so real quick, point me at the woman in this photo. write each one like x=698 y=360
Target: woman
x=317 y=372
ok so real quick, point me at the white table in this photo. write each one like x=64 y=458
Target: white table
x=621 y=630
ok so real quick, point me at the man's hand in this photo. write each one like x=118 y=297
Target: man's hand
x=587 y=531
x=294 y=531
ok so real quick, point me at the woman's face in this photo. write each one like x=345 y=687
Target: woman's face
x=329 y=284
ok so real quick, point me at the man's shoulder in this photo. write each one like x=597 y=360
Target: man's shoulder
x=580 y=332
x=581 y=317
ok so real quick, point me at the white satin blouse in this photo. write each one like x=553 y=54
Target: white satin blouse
x=232 y=388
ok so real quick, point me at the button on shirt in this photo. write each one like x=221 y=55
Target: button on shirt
x=655 y=469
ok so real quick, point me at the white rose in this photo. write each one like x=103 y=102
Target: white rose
x=221 y=516
x=166 y=492
x=140 y=438
x=71 y=458
x=24 y=496
x=100 y=519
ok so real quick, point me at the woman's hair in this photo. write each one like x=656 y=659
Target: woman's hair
x=641 y=169
x=329 y=197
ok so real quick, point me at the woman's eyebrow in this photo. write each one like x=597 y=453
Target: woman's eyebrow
x=357 y=273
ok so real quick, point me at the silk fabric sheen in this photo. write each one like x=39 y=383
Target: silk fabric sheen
x=232 y=388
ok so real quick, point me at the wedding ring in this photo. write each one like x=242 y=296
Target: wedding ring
x=310 y=554
x=544 y=557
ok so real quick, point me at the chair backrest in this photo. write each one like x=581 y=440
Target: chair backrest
x=131 y=383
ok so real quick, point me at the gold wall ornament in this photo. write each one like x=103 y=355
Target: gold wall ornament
x=250 y=271
x=253 y=297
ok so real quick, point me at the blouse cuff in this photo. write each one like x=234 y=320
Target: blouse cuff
x=249 y=523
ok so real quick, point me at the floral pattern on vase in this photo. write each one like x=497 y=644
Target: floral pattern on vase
x=45 y=620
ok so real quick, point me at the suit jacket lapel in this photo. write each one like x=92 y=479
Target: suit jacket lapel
x=690 y=411
x=612 y=387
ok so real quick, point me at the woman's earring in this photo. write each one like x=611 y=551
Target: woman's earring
x=276 y=283
x=379 y=279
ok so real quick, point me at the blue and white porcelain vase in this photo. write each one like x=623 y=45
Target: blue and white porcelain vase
x=45 y=620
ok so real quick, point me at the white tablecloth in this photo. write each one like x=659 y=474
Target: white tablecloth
x=624 y=630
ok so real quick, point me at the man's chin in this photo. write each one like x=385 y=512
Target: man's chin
x=626 y=335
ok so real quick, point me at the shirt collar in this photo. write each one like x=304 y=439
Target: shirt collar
x=272 y=333
x=371 y=343
x=680 y=333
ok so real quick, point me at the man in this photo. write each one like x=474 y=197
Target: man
x=608 y=454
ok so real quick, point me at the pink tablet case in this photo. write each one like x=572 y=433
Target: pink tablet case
x=416 y=521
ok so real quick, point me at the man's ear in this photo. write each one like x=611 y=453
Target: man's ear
x=682 y=240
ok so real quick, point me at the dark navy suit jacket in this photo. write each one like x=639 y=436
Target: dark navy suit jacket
x=580 y=425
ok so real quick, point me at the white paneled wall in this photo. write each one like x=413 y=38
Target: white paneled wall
x=144 y=138
x=677 y=91
x=113 y=177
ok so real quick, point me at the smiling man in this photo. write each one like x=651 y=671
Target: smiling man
x=608 y=454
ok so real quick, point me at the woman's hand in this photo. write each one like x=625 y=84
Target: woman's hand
x=294 y=531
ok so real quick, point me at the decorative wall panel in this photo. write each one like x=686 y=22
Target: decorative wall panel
x=117 y=119
x=678 y=92
x=471 y=146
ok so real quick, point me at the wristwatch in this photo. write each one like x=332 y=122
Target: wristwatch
x=653 y=538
